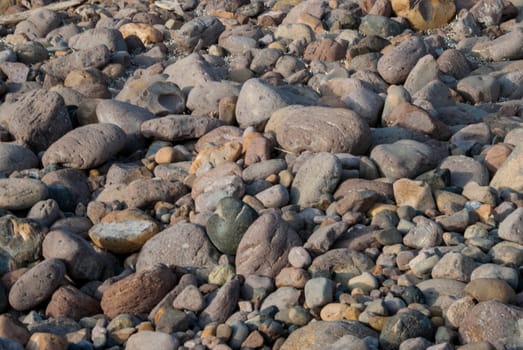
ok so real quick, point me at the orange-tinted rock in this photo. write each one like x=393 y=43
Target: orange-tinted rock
x=70 y=302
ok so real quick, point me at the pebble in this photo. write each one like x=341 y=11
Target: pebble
x=257 y=150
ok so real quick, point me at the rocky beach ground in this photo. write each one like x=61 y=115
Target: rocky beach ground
x=279 y=174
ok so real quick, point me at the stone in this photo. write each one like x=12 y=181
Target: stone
x=275 y=196
x=179 y=127
x=343 y=263
x=318 y=335
x=223 y=304
x=315 y=181
x=511 y=228
x=414 y=118
x=441 y=292
x=464 y=169
x=228 y=224
x=324 y=50
x=81 y=260
x=95 y=57
x=503 y=47
x=38 y=118
x=37 y=284
x=319 y=292
x=193 y=70
x=202 y=30
x=426 y=233
x=262 y=170
x=139 y=292
x=453 y=62
x=299 y=257
x=292 y=277
x=425 y=70
x=45 y=212
x=324 y=237
x=159 y=340
x=145 y=32
x=154 y=93
x=39 y=24
x=488 y=12
x=204 y=99
x=47 y=341
x=458 y=310
x=454 y=266
x=416 y=194
x=229 y=151
x=490 y=321
x=403 y=326
x=505 y=273
x=470 y=135
x=16 y=158
x=86 y=147
x=404 y=159
x=127 y=116
x=507 y=177
x=486 y=289
x=23 y=193
x=21 y=242
x=109 y=37
x=366 y=103
x=425 y=14
x=319 y=129
x=395 y=66
x=265 y=246
x=479 y=88
x=383 y=26
x=365 y=282
x=9 y=344
x=182 y=245
x=206 y=179
x=13 y=329
x=72 y=303
x=190 y=298
x=283 y=298
x=68 y=187
x=123 y=232
x=143 y=192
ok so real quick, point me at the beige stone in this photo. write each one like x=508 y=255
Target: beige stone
x=425 y=14
x=417 y=194
x=145 y=32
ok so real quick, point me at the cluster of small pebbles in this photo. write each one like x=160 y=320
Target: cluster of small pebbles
x=278 y=174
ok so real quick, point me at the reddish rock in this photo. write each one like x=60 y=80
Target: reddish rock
x=70 y=302
x=324 y=50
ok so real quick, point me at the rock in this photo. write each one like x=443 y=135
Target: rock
x=13 y=329
x=441 y=292
x=425 y=14
x=488 y=12
x=261 y=170
x=292 y=277
x=228 y=186
x=470 y=135
x=143 y=193
x=72 y=303
x=195 y=253
x=379 y=25
x=47 y=341
x=194 y=70
x=505 y=273
x=145 y=32
x=453 y=62
x=111 y=38
x=283 y=298
x=317 y=335
x=16 y=158
x=23 y=193
x=458 y=310
x=179 y=127
x=479 y=88
x=299 y=257
x=294 y=31
x=323 y=238
x=425 y=234
x=507 y=176
x=223 y=304
x=490 y=321
x=123 y=232
x=366 y=103
x=425 y=70
x=38 y=118
x=454 y=266
x=95 y=57
x=9 y=344
x=204 y=99
x=190 y=298
x=203 y=31
x=228 y=224
x=21 y=241
x=315 y=181
x=486 y=289
x=343 y=263
x=86 y=147
x=319 y=129
x=404 y=158
x=416 y=194
x=37 y=284
x=319 y=292
x=403 y=326
x=127 y=116
x=324 y=50
x=214 y=156
x=265 y=246
x=38 y=24
x=138 y=292
x=206 y=179
x=511 y=228
x=365 y=282
x=395 y=66
x=464 y=169
x=154 y=93
x=275 y=196
x=503 y=48
x=159 y=340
